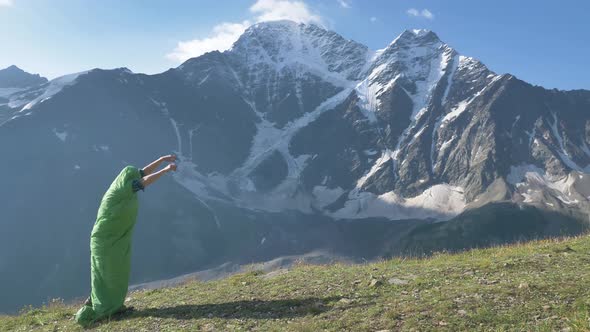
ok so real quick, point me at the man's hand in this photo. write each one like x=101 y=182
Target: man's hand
x=170 y=167
x=168 y=158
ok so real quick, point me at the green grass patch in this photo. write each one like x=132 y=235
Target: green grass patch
x=536 y=286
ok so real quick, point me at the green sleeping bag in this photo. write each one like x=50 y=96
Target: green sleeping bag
x=110 y=248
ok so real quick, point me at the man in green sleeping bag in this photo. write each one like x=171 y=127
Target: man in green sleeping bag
x=110 y=241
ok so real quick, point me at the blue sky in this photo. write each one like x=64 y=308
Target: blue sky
x=543 y=42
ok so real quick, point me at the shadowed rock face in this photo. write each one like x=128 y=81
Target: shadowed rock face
x=294 y=140
x=270 y=172
x=14 y=77
x=338 y=140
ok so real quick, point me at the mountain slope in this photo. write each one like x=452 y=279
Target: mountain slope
x=295 y=140
x=532 y=286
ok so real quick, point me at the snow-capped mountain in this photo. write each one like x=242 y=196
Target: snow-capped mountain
x=412 y=130
x=294 y=139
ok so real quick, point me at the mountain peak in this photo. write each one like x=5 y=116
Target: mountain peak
x=419 y=32
x=272 y=29
x=12 y=68
x=274 y=24
x=14 y=77
x=282 y=24
x=283 y=43
x=416 y=36
x=280 y=30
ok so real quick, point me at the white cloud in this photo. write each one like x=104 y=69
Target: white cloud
x=420 y=13
x=413 y=12
x=373 y=19
x=222 y=38
x=225 y=34
x=427 y=14
x=6 y=3
x=272 y=10
x=344 y=3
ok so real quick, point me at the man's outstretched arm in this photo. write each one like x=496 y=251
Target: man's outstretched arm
x=151 y=178
x=149 y=169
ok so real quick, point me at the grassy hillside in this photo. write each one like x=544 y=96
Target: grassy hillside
x=537 y=286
